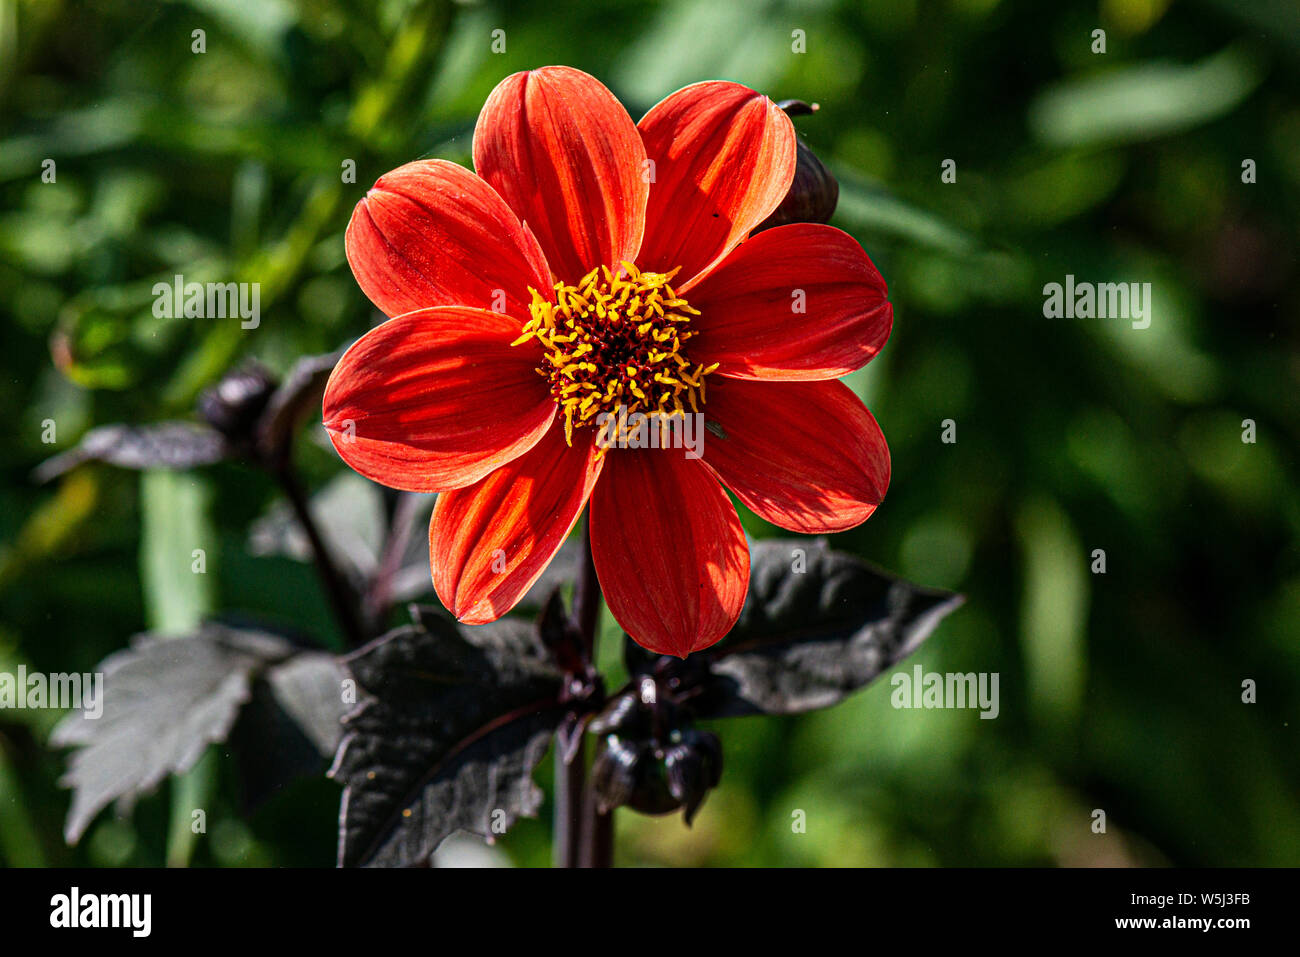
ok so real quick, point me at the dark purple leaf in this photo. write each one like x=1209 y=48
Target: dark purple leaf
x=291 y=726
x=168 y=445
x=451 y=721
x=817 y=625
x=164 y=700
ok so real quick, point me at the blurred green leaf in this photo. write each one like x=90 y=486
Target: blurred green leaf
x=871 y=208
x=1054 y=612
x=177 y=539
x=20 y=843
x=1145 y=101
x=191 y=791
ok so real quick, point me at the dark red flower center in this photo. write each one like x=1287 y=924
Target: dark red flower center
x=613 y=343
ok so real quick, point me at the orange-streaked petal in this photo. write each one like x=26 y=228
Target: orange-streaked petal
x=669 y=550
x=749 y=321
x=431 y=233
x=489 y=542
x=565 y=155
x=724 y=158
x=806 y=456
x=436 y=399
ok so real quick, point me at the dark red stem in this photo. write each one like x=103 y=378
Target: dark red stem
x=583 y=836
x=338 y=590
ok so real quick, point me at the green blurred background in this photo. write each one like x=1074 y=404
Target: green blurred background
x=1120 y=691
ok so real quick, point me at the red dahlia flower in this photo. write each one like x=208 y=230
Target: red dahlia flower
x=592 y=264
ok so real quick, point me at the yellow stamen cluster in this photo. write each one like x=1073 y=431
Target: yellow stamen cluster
x=614 y=342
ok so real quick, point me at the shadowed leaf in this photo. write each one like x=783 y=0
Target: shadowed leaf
x=167 y=445
x=290 y=728
x=817 y=626
x=164 y=701
x=450 y=726
x=349 y=511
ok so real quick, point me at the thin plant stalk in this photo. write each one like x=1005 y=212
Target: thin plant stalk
x=583 y=836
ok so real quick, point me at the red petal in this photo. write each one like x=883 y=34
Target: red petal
x=747 y=304
x=669 y=550
x=431 y=233
x=489 y=542
x=436 y=399
x=565 y=155
x=724 y=159
x=806 y=456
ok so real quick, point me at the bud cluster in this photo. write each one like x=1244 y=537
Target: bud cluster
x=654 y=760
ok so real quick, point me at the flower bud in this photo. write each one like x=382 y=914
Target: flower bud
x=654 y=760
x=693 y=767
x=814 y=192
x=234 y=405
x=631 y=773
x=624 y=715
x=616 y=772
